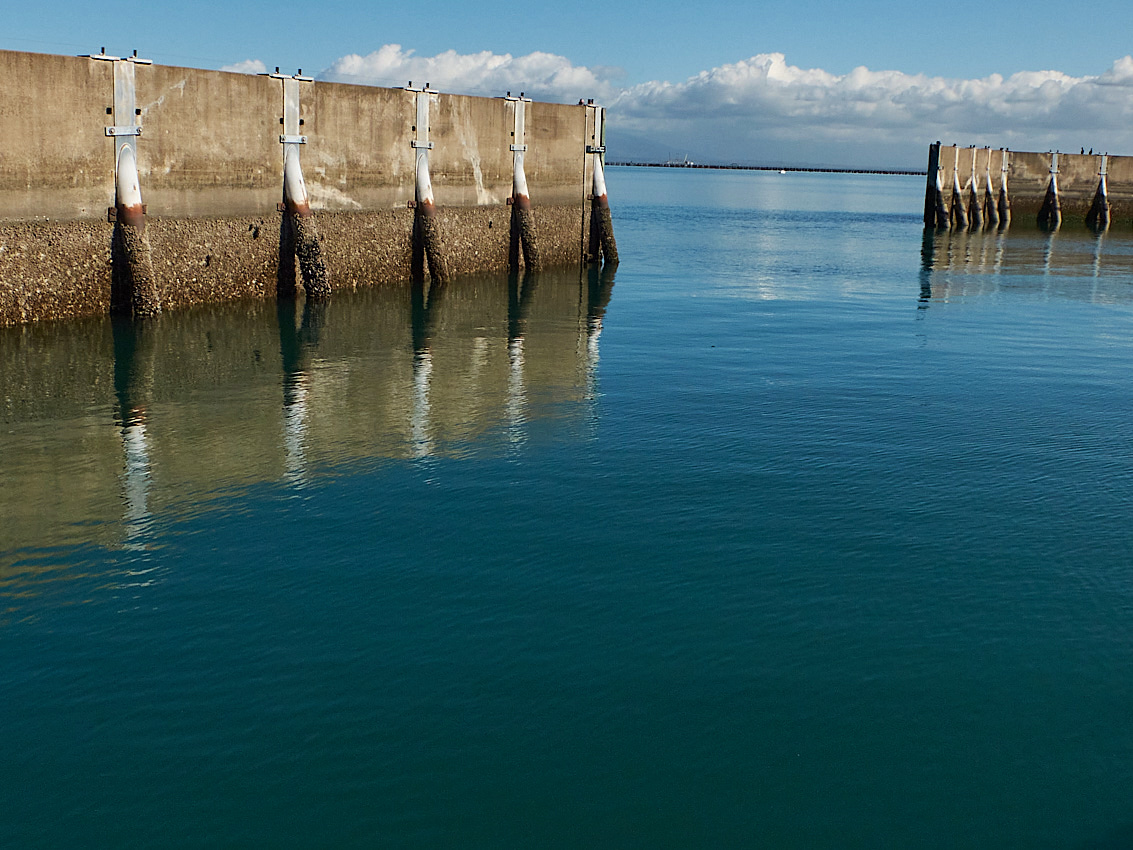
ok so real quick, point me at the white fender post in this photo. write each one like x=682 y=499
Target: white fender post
x=602 y=242
x=942 y=218
x=1050 y=214
x=299 y=235
x=991 y=213
x=523 y=233
x=133 y=288
x=297 y=208
x=1098 y=216
x=959 y=214
x=428 y=245
x=975 y=212
x=1004 y=204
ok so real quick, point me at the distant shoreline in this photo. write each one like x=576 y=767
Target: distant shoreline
x=771 y=168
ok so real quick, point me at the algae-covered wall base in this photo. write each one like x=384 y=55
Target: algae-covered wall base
x=52 y=270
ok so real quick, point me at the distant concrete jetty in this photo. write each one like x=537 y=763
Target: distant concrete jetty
x=132 y=187
x=976 y=188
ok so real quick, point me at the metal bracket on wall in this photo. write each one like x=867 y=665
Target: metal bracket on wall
x=519 y=132
x=291 y=121
x=1102 y=170
x=422 y=143
x=1054 y=163
x=126 y=128
x=599 y=138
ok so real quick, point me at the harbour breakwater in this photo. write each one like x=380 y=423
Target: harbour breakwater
x=131 y=187
x=975 y=188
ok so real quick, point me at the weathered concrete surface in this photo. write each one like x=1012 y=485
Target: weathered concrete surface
x=210 y=164
x=1028 y=178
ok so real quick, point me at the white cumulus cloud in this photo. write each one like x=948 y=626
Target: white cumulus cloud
x=248 y=66
x=763 y=110
x=545 y=76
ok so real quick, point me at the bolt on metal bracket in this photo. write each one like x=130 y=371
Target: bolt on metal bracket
x=124 y=131
x=292 y=140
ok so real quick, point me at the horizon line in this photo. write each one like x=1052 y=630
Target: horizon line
x=781 y=168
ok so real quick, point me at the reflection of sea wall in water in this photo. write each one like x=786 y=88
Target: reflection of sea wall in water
x=1076 y=265
x=210 y=167
x=210 y=386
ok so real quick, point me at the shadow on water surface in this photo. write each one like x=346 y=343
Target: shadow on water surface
x=201 y=408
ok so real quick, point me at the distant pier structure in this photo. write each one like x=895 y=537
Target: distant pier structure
x=976 y=188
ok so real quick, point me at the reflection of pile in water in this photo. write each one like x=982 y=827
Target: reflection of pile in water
x=1066 y=263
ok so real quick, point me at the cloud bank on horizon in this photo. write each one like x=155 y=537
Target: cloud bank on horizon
x=763 y=110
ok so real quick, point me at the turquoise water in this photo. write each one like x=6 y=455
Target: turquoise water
x=799 y=530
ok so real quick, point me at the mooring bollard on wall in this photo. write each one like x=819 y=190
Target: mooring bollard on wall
x=133 y=287
x=601 y=242
x=523 y=235
x=298 y=234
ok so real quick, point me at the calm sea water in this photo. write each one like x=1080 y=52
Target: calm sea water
x=802 y=530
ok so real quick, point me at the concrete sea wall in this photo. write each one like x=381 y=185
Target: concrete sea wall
x=1088 y=188
x=210 y=164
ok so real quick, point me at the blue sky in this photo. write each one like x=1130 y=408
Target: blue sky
x=807 y=82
